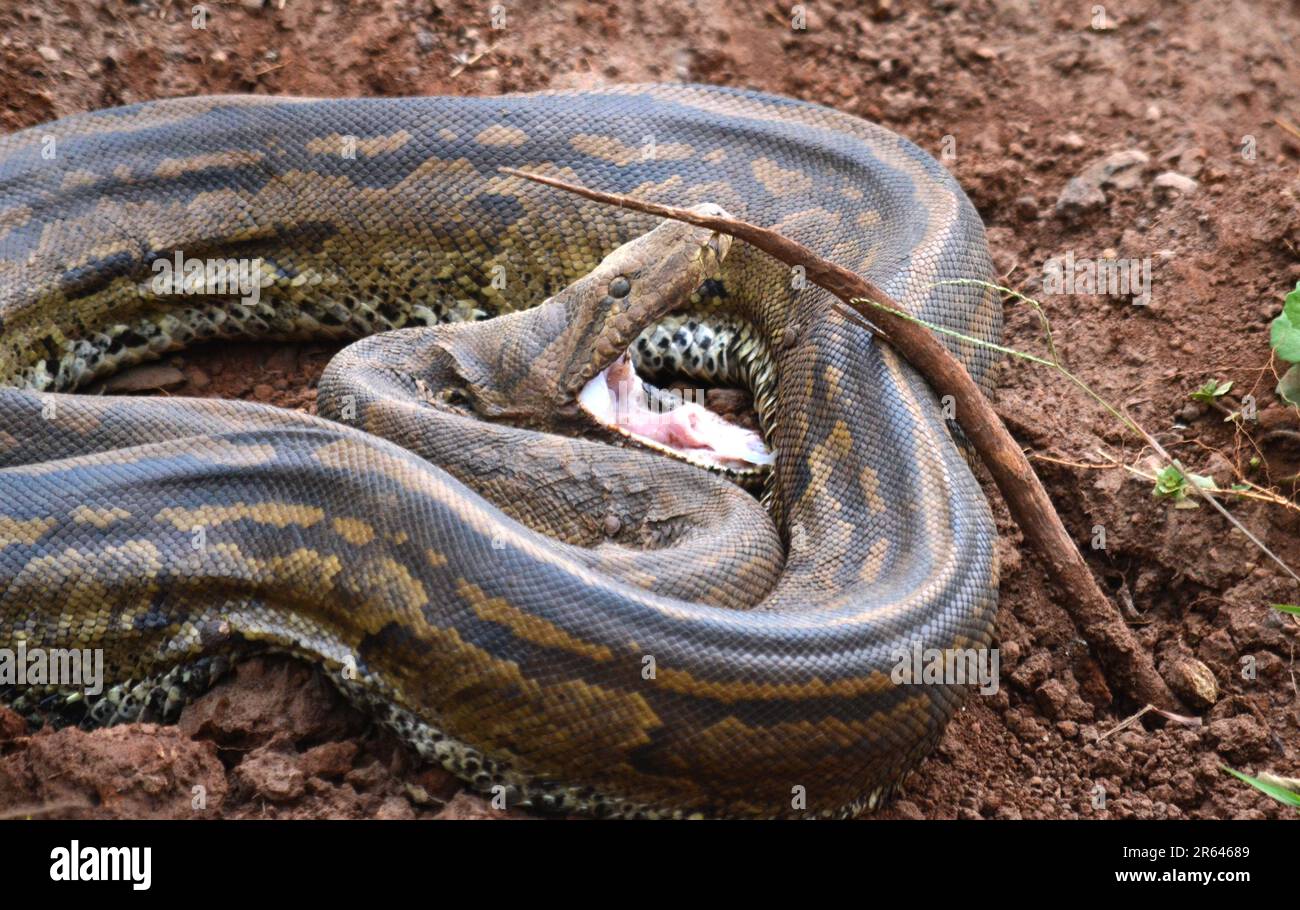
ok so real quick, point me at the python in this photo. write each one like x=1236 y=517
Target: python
x=215 y=277
x=494 y=581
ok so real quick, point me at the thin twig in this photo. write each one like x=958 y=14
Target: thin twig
x=1288 y=126
x=1083 y=466
x=1125 y=723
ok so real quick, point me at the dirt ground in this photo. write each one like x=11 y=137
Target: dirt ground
x=1018 y=98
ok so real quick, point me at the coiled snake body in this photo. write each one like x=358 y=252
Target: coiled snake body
x=583 y=626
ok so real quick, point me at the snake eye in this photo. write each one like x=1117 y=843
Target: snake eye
x=619 y=287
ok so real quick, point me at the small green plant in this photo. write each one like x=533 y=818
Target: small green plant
x=1287 y=608
x=1285 y=340
x=1171 y=483
x=1211 y=392
x=1282 y=789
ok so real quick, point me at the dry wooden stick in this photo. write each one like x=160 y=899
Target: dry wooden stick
x=1099 y=621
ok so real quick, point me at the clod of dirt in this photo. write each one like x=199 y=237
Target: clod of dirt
x=260 y=701
x=140 y=771
x=1084 y=193
x=1241 y=738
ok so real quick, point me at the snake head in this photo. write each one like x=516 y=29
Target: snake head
x=566 y=364
x=636 y=285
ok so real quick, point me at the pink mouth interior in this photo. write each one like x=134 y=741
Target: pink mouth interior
x=618 y=399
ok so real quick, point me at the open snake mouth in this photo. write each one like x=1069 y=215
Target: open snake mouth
x=618 y=399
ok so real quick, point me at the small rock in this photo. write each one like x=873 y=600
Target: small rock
x=272 y=775
x=48 y=54
x=263 y=392
x=1052 y=696
x=1192 y=681
x=612 y=525
x=1028 y=730
x=418 y=795
x=1173 y=183
x=1009 y=651
x=1078 y=198
x=439 y=785
x=1182 y=789
x=1118 y=170
x=425 y=41
x=1269 y=665
x=266 y=697
x=1069 y=142
x=150 y=377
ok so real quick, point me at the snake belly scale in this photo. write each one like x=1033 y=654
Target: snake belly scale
x=690 y=656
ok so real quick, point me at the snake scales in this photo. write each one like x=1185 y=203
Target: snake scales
x=587 y=627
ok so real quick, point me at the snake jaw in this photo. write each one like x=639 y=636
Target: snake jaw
x=618 y=400
x=657 y=272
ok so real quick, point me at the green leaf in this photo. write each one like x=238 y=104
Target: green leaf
x=1212 y=390
x=1284 y=337
x=1170 y=482
x=1291 y=305
x=1287 y=608
x=1289 y=388
x=1284 y=334
x=1281 y=794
